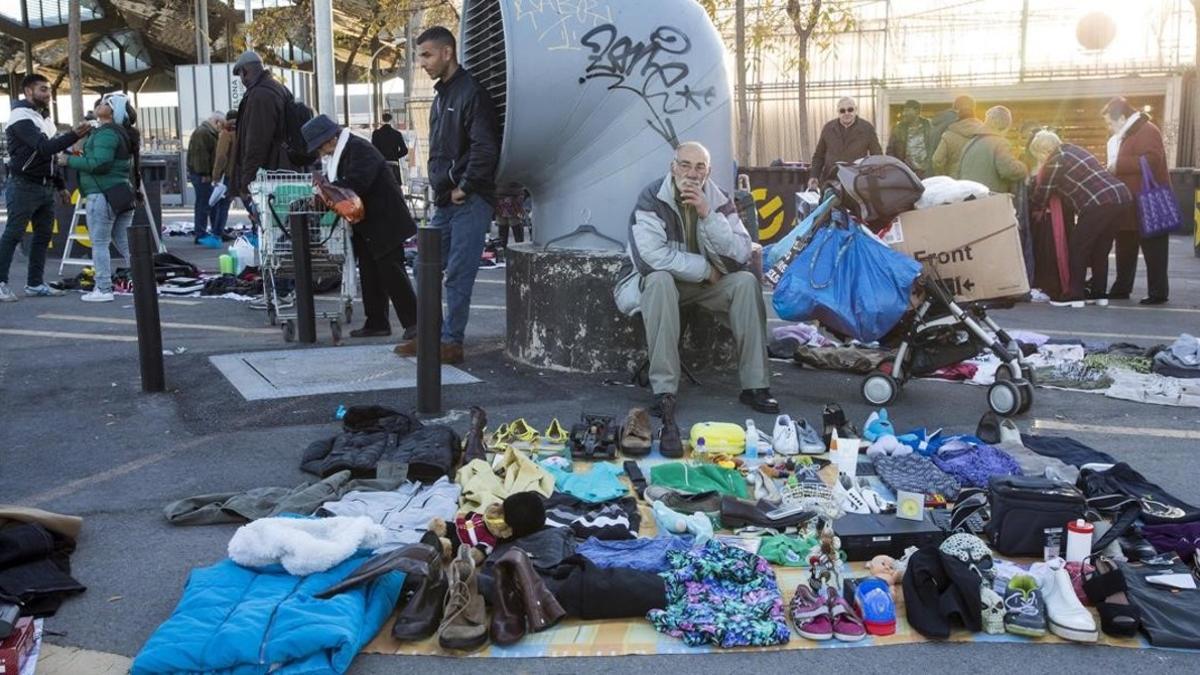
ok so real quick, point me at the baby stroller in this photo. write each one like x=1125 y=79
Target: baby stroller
x=941 y=332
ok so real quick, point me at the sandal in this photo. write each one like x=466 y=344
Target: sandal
x=555 y=433
x=847 y=626
x=810 y=615
x=521 y=430
x=1105 y=588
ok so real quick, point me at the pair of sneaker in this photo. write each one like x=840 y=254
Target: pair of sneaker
x=39 y=291
x=824 y=616
x=859 y=497
x=795 y=437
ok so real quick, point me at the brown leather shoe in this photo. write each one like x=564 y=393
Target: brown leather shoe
x=508 y=609
x=452 y=354
x=406 y=348
x=474 y=447
x=464 y=623
x=542 y=610
x=636 y=433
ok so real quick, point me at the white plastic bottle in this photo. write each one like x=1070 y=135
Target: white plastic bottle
x=751 y=440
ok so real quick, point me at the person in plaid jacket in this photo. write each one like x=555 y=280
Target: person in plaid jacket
x=1101 y=202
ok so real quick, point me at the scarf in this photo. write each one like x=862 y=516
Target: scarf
x=331 y=162
x=1114 y=143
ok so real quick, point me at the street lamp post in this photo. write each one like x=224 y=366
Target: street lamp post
x=371 y=83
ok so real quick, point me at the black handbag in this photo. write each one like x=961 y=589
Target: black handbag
x=1023 y=507
x=120 y=198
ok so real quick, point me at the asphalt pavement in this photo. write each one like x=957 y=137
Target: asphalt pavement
x=78 y=436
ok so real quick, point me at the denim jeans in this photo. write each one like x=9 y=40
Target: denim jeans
x=27 y=202
x=202 y=214
x=105 y=227
x=464 y=233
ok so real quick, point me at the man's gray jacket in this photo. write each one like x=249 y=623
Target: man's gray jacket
x=656 y=241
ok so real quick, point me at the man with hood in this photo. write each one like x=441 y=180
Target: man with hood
x=988 y=158
x=33 y=181
x=948 y=155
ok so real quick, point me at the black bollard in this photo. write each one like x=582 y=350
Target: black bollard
x=145 y=307
x=306 y=318
x=429 y=319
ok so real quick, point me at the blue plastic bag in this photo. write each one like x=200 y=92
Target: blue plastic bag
x=849 y=281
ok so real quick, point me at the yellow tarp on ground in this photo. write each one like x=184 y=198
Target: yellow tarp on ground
x=574 y=637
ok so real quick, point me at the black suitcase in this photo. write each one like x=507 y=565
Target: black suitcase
x=865 y=536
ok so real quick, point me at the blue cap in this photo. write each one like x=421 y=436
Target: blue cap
x=318 y=130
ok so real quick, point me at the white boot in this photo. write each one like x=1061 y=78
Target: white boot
x=1066 y=616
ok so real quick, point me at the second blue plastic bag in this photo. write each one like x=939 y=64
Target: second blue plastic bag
x=850 y=282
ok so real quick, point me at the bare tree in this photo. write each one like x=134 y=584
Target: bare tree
x=814 y=22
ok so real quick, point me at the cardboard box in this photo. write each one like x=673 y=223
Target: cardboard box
x=15 y=648
x=974 y=246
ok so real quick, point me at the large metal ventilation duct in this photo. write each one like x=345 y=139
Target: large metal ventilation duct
x=592 y=96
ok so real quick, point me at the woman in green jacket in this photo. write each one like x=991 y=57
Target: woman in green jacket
x=105 y=164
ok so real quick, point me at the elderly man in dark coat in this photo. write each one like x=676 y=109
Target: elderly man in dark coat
x=378 y=239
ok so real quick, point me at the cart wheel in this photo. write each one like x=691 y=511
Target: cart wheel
x=289 y=331
x=335 y=329
x=1004 y=398
x=880 y=389
x=1026 y=389
x=272 y=314
x=348 y=313
x=1004 y=373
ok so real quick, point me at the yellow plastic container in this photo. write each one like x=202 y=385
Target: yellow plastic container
x=719 y=438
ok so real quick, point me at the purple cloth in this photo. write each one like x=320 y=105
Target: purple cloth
x=973 y=462
x=1180 y=538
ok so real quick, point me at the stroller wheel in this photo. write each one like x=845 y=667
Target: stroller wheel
x=1004 y=373
x=880 y=389
x=1004 y=398
x=1026 y=389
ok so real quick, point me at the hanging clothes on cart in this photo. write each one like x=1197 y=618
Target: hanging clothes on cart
x=1051 y=248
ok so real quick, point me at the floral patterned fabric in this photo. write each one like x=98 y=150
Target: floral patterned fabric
x=722 y=595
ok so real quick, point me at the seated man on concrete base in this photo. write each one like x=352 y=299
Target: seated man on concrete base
x=688 y=246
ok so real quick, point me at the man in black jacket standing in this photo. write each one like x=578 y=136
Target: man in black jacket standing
x=390 y=143
x=29 y=195
x=378 y=239
x=463 y=153
x=261 y=123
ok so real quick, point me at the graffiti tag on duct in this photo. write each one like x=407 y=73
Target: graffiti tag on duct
x=649 y=69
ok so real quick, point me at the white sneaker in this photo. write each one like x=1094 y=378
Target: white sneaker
x=1066 y=616
x=784 y=439
x=1074 y=304
x=5 y=294
x=810 y=440
x=1099 y=302
x=847 y=496
x=97 y=296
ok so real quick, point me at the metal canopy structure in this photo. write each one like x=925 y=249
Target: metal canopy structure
x=128 y=43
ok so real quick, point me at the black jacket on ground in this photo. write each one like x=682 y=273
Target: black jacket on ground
x=464 y=139
x=386 y=223
x=389 y=142
x=374 y=434
x=30 y=151
x=261 y=131
x=35 y=569
x=586 y=591
x=939 y=588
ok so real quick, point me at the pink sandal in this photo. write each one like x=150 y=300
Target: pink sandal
x=847 y=626
x=810 y=615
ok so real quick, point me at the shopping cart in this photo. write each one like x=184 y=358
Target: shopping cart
x=278 y=197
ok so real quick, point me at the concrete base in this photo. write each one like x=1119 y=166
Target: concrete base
x=561 y=315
